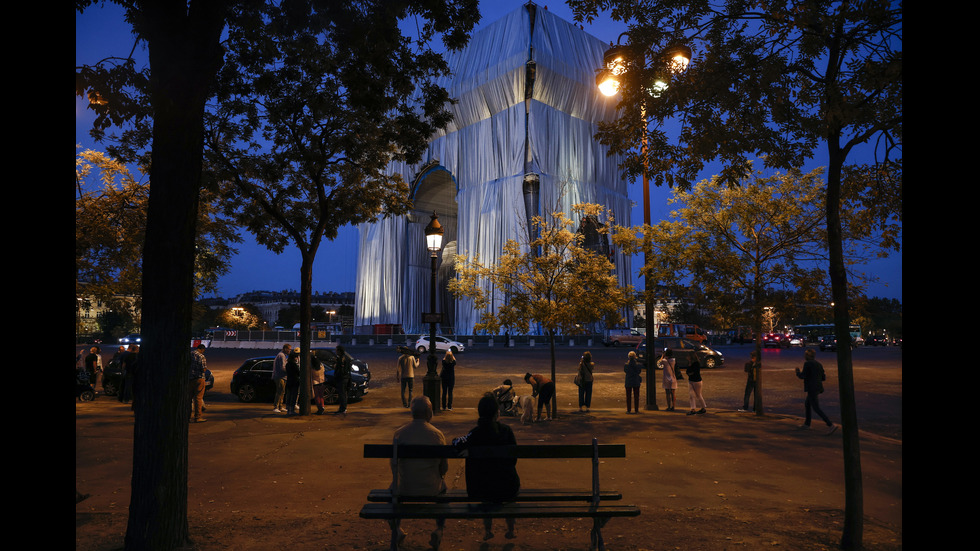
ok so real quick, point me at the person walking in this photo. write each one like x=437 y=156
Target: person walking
x=341 y=378
x=318 y=381
x=279 y=377
x=198 y=383
x=633 y=371
x=752 y=371
x=813 y=377
x=544 y=389
x=585 y=378
x=491 y=480
x=291 y=405
x=669 y=367
x=694 y=386
x=406 y=375
x=448 y=377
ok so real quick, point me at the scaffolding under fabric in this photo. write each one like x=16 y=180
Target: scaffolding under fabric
x=521 y=144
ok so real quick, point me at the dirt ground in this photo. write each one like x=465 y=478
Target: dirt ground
x=720 y=481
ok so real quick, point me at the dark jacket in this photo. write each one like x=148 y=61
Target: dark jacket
x=633 y=370
x=448 y=369
x=292 y=373
x=490 y=479
x=694 y=372
x=342 y=369
x=813 y=376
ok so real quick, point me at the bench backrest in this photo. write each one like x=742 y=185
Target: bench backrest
x=520 y=451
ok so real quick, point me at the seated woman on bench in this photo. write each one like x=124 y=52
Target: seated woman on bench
x=493 y=481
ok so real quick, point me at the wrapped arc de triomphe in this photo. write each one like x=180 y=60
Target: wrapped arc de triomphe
x=522 y=142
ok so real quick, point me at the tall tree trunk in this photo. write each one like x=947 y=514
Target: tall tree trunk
x=184 y=56
x=306 y=334
x=852 y=536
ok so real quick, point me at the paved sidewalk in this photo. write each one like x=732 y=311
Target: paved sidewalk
x=723 y=480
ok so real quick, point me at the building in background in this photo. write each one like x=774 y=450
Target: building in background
x=522 y=144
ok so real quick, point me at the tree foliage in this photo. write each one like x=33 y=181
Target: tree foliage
x=551 y=280
x=774 y=80
x=314 y=101
x=110 y=229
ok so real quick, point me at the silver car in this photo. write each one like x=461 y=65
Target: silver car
x=442 y=344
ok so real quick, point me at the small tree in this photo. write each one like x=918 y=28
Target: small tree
x=553 y=282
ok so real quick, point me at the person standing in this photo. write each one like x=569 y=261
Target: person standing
x=418 y=476
x=292 y=383
x=448 y=377
x=341 y=378
x=491 y=480
x=694 y=386
x=585 y=369
x=318 y=381
x=543 y=389
x=198 y=383
x=752 y=370
x=406 y=375
x=813 y=377
x=633 y=371
x=93 y=365
x=129 y=363
x=279 y=377
x=669 y=366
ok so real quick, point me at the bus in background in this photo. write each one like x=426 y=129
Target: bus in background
x=812 y=333
x=687 y=331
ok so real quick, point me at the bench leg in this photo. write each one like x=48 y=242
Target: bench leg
x=397 y=536
x=597 y=544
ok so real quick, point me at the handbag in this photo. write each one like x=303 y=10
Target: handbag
x=578 y=380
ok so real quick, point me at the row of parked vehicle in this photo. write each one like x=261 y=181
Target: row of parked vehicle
x=253 y=380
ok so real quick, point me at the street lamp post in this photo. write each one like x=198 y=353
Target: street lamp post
x=617 y=59
x=432 y=383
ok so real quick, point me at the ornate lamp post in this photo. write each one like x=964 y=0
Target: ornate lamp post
x=431 y=383
x=617 y=61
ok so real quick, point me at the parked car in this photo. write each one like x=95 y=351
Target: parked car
x=682 y=349
x=253 y=380
x=112 y=379
x=442 y=344
x=775 y=340
x=616 y=337
x=132 y=338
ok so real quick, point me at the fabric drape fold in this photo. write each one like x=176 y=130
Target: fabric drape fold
x=497 y=135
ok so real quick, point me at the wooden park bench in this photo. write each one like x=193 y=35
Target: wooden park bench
x=530 y=502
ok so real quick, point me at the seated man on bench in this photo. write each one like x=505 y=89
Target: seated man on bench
x=419 y=477
x=493 y=481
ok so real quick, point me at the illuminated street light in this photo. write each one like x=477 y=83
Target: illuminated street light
x=432 y=383
x=617 y=61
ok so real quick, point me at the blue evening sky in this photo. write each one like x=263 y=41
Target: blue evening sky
x=101 y=32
